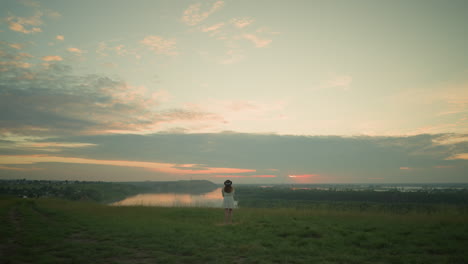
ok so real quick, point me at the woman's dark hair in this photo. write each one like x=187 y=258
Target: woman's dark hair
x=228 y=188
x=228 y=183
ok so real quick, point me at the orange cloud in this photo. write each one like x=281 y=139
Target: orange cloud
x=245 y=176
x=405 y=168
x=60 y=145
x=303 y=176
x=75 y=50
x=160 y=45
x=60 y=37
x=242 y=22
x=18 y=23
x=461 y=156
x=193 y=15
x=17 y=64
x=170 y=168
x=213 y=28
x=52 y=58
x=53 y=146
x=17 y=46
x=229 y=176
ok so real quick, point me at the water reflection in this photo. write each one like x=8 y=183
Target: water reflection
x=211 y=199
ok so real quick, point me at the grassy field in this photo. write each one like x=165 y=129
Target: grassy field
x=58 y=231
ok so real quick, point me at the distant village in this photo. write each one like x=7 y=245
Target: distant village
x=97 y=190
x=46 y=188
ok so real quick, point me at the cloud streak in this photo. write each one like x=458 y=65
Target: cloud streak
x=214 y=27
x=168 y=168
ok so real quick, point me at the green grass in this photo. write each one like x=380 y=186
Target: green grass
x=59 y=231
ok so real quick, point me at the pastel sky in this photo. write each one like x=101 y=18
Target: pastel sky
x=260 y=91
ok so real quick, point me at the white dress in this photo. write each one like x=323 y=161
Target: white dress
x=228 y=201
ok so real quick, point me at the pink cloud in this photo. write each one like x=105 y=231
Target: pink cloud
x=193 y=14
x=60 y=37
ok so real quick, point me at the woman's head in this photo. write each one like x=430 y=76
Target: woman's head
x=228 y=183
x=228 y=186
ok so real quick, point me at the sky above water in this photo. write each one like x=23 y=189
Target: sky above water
x=258 y=91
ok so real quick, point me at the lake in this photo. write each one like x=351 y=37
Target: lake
x=211 y=199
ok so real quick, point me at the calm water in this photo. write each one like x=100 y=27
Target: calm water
x=211 y=199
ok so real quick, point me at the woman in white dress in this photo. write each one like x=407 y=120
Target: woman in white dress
x=228 y=201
